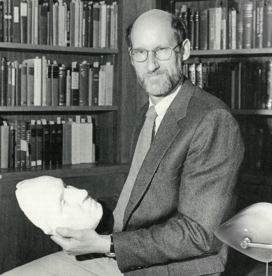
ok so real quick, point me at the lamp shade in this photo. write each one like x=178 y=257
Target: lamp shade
x=254 y=224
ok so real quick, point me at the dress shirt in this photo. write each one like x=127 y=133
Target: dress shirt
x=162 y=106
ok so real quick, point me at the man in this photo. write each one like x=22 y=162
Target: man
x=185 y=187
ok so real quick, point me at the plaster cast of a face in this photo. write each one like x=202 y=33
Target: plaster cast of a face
x=49 y=204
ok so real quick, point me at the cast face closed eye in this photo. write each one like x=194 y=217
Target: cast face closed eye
x=49 y=204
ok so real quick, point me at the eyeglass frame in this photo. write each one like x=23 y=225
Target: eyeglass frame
x=147 y=51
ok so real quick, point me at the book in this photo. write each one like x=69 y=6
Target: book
x=2 y=15
x=89 y=25
x=32 y=144
x=109 y=76
x=45 y=143
x=3 y=81
x=68 y=88
x=23 y=101
x=62 y=85
x=61 y=23
x=223 y=32
x=35 y=20
x=203 y=30
x=34 y=81
x=268 y=24
x=247 y=24
x=59 y=142
x=42 y=24
x=29 y=21
x=75 y=84
x=16 y=36
x=23 y=20
x=191 y=29
x=4 y=149
x=102 y=24
x=96 y=20
x=67 y=144
x=48 y=84
x=23 y=144
x=95 y=82
x=55 y=83
x=259 y=23
x=11 y=148
x=196 y=31
x=240 y=30
x=53 y=142
x=101 y=87
x=233 y=27
x=84 y=83
x=269 y=84
x=43 y=80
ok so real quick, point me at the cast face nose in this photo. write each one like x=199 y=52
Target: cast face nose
x=74 y=195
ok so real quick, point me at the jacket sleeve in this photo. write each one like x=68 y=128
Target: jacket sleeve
x=206 y=196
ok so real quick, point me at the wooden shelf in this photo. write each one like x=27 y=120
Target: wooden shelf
x=78 y=170
x=229 y=52
x=44 y=109
x=264 y=112
x=61 y=49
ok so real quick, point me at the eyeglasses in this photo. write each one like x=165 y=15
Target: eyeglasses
x=162 y=53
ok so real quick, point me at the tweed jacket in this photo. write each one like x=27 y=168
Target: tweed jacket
x=185 y=189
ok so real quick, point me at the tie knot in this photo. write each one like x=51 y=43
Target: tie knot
x=151 y=113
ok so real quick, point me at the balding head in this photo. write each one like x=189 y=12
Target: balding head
x=163 y=21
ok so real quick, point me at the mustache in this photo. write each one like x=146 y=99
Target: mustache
x=155 y=73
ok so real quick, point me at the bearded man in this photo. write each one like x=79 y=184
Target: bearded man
x=180 y=188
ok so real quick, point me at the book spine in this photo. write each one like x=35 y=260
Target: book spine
x=233 y=28
x=75 y=86
x=196 y=35
x=239 y=34
x=192 y=30
x=247 y=25
x=24 y=19
x=218 y=19
x=95 y=82
x=83 y=84
x=198 y=74
x=45 y=145
x=4 y=81
x=259 y=23
x=211 y=29
x=62 y=85
x=192 y=73
x=42 y=25
x=55 y=84
x=269 y=84
x=59 y=144
x=96 y=20
x=2 y=15
x=16 y=37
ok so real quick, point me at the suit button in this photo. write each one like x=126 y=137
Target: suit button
x=139 y=267
x=132 y=267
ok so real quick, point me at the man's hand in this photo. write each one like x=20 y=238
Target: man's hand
x=79 y=242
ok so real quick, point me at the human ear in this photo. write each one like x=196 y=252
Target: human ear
x=186 y=49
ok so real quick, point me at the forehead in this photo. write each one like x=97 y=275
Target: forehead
x=151 y=31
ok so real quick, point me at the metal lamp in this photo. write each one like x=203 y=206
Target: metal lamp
x=250 y=232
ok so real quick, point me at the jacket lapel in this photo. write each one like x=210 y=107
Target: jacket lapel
x=166 y=134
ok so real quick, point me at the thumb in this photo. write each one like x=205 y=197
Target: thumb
x=68 y=233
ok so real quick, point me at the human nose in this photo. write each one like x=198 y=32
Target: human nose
x=152 y=62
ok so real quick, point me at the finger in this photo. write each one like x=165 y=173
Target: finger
x=59 y=240
x=68 y=233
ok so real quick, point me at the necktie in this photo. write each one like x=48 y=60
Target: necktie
x=142 y=147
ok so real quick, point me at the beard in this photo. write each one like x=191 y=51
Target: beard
x=162 y=85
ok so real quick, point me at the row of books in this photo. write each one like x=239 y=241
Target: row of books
x=242 y=85
x=72 y=23
x=40 y=82
x=220 y=28
x=258 y=146
x=40 y=143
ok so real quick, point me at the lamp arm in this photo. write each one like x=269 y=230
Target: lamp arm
x=247 y=243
